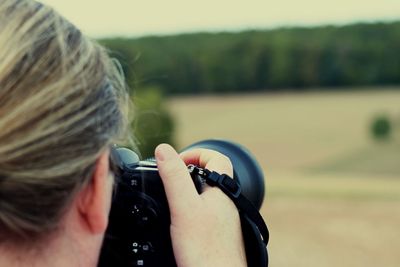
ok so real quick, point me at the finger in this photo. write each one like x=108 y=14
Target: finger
x=209 y=159
x=179 y=187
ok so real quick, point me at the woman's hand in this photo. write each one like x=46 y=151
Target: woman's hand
x=205 y=228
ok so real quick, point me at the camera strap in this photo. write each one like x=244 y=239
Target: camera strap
x=233 y=190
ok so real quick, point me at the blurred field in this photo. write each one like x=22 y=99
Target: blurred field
x=333 y=195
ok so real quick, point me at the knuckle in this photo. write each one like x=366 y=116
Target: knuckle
x=225 y=164
x=227 y=161
x=216 y=161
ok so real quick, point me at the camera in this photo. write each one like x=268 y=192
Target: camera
x=138 y=233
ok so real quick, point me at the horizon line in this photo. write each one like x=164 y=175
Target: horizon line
x=245 y=29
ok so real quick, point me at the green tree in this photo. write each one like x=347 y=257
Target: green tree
x=152 y=123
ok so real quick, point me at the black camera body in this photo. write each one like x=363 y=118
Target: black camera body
x=138 y=233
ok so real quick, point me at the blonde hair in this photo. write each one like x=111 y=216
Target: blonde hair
x=62 y=103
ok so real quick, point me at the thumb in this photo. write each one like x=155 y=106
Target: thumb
x=179 y=187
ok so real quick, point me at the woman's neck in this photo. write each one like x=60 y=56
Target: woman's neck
x=58 y=252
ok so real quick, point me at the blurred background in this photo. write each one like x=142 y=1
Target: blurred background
x=312 y=88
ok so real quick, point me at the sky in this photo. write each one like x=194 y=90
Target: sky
x=103 y=18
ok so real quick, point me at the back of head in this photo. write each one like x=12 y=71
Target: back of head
x=62 y=102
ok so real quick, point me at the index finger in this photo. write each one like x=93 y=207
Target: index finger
x=179 y=188
x=209 y=159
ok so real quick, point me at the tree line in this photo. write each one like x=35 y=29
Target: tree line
x=364 y=54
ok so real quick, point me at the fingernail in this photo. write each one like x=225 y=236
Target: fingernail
x=165 y=152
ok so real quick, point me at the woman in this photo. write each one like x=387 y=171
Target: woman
x=62 y=104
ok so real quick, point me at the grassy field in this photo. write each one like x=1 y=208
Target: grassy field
x=333 y=194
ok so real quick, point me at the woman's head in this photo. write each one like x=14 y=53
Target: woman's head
x=62 y=103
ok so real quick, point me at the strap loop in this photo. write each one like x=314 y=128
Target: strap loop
x=232 y=188
x=225 y=183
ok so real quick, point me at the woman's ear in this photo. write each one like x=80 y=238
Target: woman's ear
x=95 y=198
